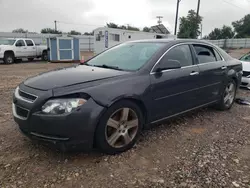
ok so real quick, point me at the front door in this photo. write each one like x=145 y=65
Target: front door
x=20 y=49
x=174 y=90
x=212 y=73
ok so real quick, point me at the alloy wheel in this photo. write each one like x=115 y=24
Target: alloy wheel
x=121 y=128
x=229 y=94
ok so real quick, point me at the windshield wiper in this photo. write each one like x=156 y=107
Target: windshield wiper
x=108 y=66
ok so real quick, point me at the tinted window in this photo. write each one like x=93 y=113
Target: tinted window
x=20 y=43
x=182 y=54
x=205 y=54
x=127 y=56
x=245 y=58
x=29 y=43
x=218 y=56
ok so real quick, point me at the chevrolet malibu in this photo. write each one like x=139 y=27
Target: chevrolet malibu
x=108 y=100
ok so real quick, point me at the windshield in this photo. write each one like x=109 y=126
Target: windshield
x=245 y=58
x=128 y=56
x=7 y=41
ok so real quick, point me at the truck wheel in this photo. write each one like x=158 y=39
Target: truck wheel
x=30 y=59
x=45 y=56
x=9 y=58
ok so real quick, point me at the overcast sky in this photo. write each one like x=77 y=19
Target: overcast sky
x=90 y=14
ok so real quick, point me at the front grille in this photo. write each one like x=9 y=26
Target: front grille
x=27 y=96
x=22 y=112
x=246 y=74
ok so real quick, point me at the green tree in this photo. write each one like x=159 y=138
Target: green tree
x=112 y=25
x=132 y=28
x=73 y=32
x=224 y=33
x=146 y=29
x=90 y=33
x=20 y=30
x=122 y=27
x=190 y=25
x=116 y=26
x=242 y=27
x=51 y=31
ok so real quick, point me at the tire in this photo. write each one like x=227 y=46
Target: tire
x=45 y=56
x=9 y=58
x=227 y=104
x=116 y=140
x=30 y=59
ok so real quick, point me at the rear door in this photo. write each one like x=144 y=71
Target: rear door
x=174 y=91
x=31 y=49
x=212 y=72
x=20 y=48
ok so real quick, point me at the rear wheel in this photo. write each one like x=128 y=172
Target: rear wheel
x=9 y=58
x=228 y=97
x=119 y=128
x=45 y=56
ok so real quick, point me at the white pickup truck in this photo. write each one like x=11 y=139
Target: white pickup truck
x=18 y=48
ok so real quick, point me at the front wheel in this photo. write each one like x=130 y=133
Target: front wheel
x=9 y=58
x=119 y=128
x=228 y=96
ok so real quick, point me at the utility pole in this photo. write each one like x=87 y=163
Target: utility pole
x=198 y=8
x=159 y=21
x=55 y=25
x=176 y=18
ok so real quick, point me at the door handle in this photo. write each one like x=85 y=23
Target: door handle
x=223 y=67
x=194 y=73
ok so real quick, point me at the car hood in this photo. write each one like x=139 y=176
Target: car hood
x=70 y=76
x=245 y=66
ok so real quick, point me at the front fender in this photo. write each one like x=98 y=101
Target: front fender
x=107 y=92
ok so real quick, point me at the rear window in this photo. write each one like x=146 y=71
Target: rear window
x=29 y=42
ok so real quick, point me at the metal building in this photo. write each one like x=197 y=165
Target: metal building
x=109 y=37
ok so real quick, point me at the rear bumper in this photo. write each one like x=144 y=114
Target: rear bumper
x=245 y=82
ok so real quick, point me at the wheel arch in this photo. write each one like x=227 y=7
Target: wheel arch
x=138 y=102
x=9 y=51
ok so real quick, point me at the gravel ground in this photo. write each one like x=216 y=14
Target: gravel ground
x=205 y=148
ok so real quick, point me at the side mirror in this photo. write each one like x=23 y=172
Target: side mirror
x=169 y=64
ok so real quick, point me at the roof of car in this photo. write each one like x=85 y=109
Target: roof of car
x=172 y=40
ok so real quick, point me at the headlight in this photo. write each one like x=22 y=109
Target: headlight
x=62 y=106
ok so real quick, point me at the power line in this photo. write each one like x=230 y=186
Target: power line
x=234 y=5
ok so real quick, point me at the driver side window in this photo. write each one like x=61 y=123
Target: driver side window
x=181 y=54
x=20 y=43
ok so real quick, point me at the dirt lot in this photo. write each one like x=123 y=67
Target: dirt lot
x=205 y=148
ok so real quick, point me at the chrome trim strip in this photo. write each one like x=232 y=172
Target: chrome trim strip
x=183 y=112
x=187 y=43
x=16 y=115
x=18 y=96
x=152 y=73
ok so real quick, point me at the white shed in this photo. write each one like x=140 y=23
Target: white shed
x=105 y=37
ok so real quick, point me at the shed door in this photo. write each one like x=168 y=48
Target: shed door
x=65 y=50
